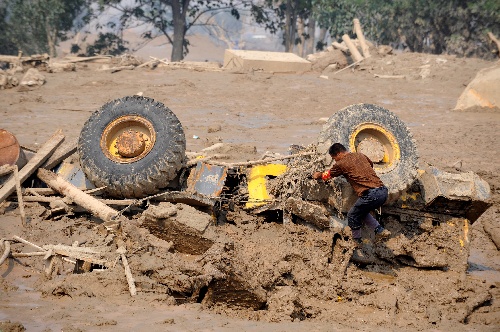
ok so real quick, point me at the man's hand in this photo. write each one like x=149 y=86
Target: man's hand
x=317 y=175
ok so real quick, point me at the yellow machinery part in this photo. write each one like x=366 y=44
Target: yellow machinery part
x=257 y=181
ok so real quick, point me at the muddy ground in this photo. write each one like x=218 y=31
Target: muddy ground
x=257 y=274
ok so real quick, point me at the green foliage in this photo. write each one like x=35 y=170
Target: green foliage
x=7 y=46
x=433 y=26
x=107 y=44
x=37 y=26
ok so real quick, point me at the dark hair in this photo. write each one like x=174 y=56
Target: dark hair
x=335 y=149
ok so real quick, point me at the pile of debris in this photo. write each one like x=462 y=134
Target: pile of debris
x=32 y=66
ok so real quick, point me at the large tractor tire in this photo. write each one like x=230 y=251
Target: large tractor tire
x=133 y=146
x=379 y=134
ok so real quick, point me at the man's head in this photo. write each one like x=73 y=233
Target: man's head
x=336 y=151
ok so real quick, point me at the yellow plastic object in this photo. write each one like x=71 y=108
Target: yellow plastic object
x=257 y=180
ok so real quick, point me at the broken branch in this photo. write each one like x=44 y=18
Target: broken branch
x=259 y=162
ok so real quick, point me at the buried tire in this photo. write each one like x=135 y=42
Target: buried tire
x=133 y=146
x=379 y=134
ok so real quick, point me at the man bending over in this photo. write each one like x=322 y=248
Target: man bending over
x=358 y=170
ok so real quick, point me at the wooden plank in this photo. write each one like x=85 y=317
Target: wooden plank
x=35 y=162
x=86 y=201
x=66 y=149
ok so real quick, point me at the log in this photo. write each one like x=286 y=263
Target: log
x=259 y=162
x=28 y=254
x=495 y=40
x=66 y=149
x=35 y=162
x=339 y=46
x=117 y=69
x=91 y=58
x=86 y=201
x=361 y=38
x=19 y=196
x=354 y=51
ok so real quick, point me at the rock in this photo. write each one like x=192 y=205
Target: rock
x=214 y=129
x=32 y=78
x=182 y=224
x=483 y=91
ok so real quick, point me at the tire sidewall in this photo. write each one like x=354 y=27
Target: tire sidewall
x=168 y=146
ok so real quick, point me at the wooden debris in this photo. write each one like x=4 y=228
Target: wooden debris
x=19 y=196
x=92 y=255
x=389 y=76
x=164 y=61
x=28 y=254
x=339 y=46
x=35 y=162
x=33 y=60
x=151 y=63
x=354 y=51
x=66 y=149
x=6 y=245
x=118 y=68
x=128 y=273
x=260 y=162
x=91 y=58
x=351 y=65
x=86 y=201
x=361 y=38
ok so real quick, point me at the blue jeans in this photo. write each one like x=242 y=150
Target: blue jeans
x=370 y=200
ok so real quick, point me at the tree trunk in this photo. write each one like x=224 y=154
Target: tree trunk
x=322 y=34
x=301 y=31
x=51 y=39
x=179 y=19
x=288 y=26
x=311 y=29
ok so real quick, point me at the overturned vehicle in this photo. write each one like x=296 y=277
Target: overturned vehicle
x=135 y=148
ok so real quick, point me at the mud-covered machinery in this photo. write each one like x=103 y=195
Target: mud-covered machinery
x=135 y=147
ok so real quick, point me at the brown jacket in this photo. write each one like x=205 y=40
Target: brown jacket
x=358 y=170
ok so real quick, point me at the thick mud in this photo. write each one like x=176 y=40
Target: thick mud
x=259 y=272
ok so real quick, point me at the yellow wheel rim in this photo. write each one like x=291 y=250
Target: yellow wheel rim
x=128 y=139
x=378 y=144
